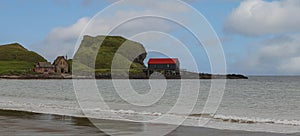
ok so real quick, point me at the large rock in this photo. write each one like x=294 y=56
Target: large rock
x=99 y=53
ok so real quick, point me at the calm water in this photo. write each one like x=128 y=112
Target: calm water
x=270 y=104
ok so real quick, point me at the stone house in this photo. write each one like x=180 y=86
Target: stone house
x=61 y=65
x=44 y=68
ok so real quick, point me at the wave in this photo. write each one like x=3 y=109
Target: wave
x=224 y=118
x=202 y=115
x=131 y=112
x=249 y=120
x=76 y=111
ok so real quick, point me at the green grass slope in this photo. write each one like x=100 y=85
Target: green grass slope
x=16 y=60
x=109 y=48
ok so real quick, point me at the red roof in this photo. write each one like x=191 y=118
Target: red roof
x=163 y=61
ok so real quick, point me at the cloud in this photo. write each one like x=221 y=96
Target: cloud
x=62 y=40
x=188 y=1
x=278 y=55
x=67 y=33
x=84 y=3
x=87 y=2
x=61 y=2
x=166 y=45
x=259 y=17
x=158 y=5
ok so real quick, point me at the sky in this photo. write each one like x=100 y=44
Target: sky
x=258 y=37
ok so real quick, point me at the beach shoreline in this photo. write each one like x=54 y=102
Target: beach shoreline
x=28 y=123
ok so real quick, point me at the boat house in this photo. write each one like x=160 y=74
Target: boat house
x=166 y=66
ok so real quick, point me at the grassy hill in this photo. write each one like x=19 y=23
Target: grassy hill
x=108 y=52
x=16 y=60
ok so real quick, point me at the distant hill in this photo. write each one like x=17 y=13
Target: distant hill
x=16 y=60
x=109 y=46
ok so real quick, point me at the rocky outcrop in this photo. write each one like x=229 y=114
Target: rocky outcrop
x=108 y=49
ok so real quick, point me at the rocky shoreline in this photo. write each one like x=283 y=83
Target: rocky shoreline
x=36 y=77
x=184 y=75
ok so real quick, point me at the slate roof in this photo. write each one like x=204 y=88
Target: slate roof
x=45 y=65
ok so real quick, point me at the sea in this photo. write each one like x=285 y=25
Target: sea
x=258 y=104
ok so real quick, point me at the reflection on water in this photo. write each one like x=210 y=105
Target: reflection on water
x=25 y=123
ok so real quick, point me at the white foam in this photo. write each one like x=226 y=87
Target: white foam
x=251 y=120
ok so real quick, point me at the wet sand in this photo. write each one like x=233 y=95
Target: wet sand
x=25 y=123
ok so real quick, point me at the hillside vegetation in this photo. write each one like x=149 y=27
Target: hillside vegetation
x=16 y=60
x=108 y=49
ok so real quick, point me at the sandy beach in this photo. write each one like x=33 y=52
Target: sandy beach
x=25 y=123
